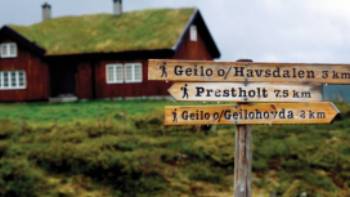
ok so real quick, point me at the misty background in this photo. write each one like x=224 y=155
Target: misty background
x=312 y=31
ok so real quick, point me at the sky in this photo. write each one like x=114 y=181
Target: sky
x=310 y=31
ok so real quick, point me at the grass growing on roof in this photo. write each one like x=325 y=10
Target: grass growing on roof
x=137 y=30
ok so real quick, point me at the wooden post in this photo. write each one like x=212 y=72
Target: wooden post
x=243 y=158
x=243 y=161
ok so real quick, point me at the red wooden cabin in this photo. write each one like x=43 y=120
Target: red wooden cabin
x=98 y=56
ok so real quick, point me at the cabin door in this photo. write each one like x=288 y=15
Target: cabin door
x=63 y=81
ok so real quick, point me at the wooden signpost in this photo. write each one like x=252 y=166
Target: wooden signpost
x=267 y=93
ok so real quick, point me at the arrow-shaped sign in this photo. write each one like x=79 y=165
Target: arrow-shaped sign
x=210 y=71
x=252 y=114
x=240 y=92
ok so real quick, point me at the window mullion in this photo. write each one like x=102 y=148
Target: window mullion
x=123 y=70
x=9 y=80
x=134 y=70
x=4 y=73
x=114 y=71
x=1 y=80
x=17 y=79
x=1 y=50
x=6 y=80
x=125 y=73
x=24 y=79
x=8 y=50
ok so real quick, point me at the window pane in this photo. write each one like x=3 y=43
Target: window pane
x=115 y=73
x=6 y=79
x=128 y=72
x=3 y=50
x=21 y=79
x=138 y=72
x=1 y=80
x=193 y=33
x=13 y=50
x=119 y=73
x=13 y=79
x=110 y=73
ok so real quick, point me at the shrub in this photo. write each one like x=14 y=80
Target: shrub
x=201 y=172
x=260 y=165
x=7 y=128
x=3 y=148
x=319 y=181
x=18 y=178
x=130 y=172
x=151 y=123
x=272 y=148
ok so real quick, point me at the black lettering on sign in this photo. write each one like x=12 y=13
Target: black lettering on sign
x=324 y=74
x=178 y=70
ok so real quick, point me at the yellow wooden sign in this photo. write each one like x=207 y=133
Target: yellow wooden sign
x=241 y=92
x=181 y=70
x=252 y=114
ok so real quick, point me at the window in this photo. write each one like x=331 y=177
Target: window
x=193 y=33
x=12 y=80
x=124 y=73
x=128 y=72
x=8 y=50
x=115 y=73
x=133 y=72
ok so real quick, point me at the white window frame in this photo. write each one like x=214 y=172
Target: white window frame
x=193 y=33
x=114 y=79
x=124 y=68
x=133 y=73
x=10 y=85
x=8 y=52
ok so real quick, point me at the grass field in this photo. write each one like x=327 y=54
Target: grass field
x=64 y=112
x=105 y=148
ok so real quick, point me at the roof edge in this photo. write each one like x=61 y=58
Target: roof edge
x=190 y=21
x=23 y=40
x=153 y=53
x=212 y=45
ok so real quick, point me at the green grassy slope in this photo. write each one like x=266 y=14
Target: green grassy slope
x=106 y=148
x=137 y=30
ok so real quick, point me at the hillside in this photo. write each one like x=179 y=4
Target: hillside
x=106 y=148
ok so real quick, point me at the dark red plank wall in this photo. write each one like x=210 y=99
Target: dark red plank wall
x=187 y=50
x=84 y=81
x=145 y=88
x=36 y=73
x=190 y=50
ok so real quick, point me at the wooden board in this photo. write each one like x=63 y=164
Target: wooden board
x=252 y=114
x=241 y=92
x=181 y=70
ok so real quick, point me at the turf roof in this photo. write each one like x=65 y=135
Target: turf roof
x=104 y=33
